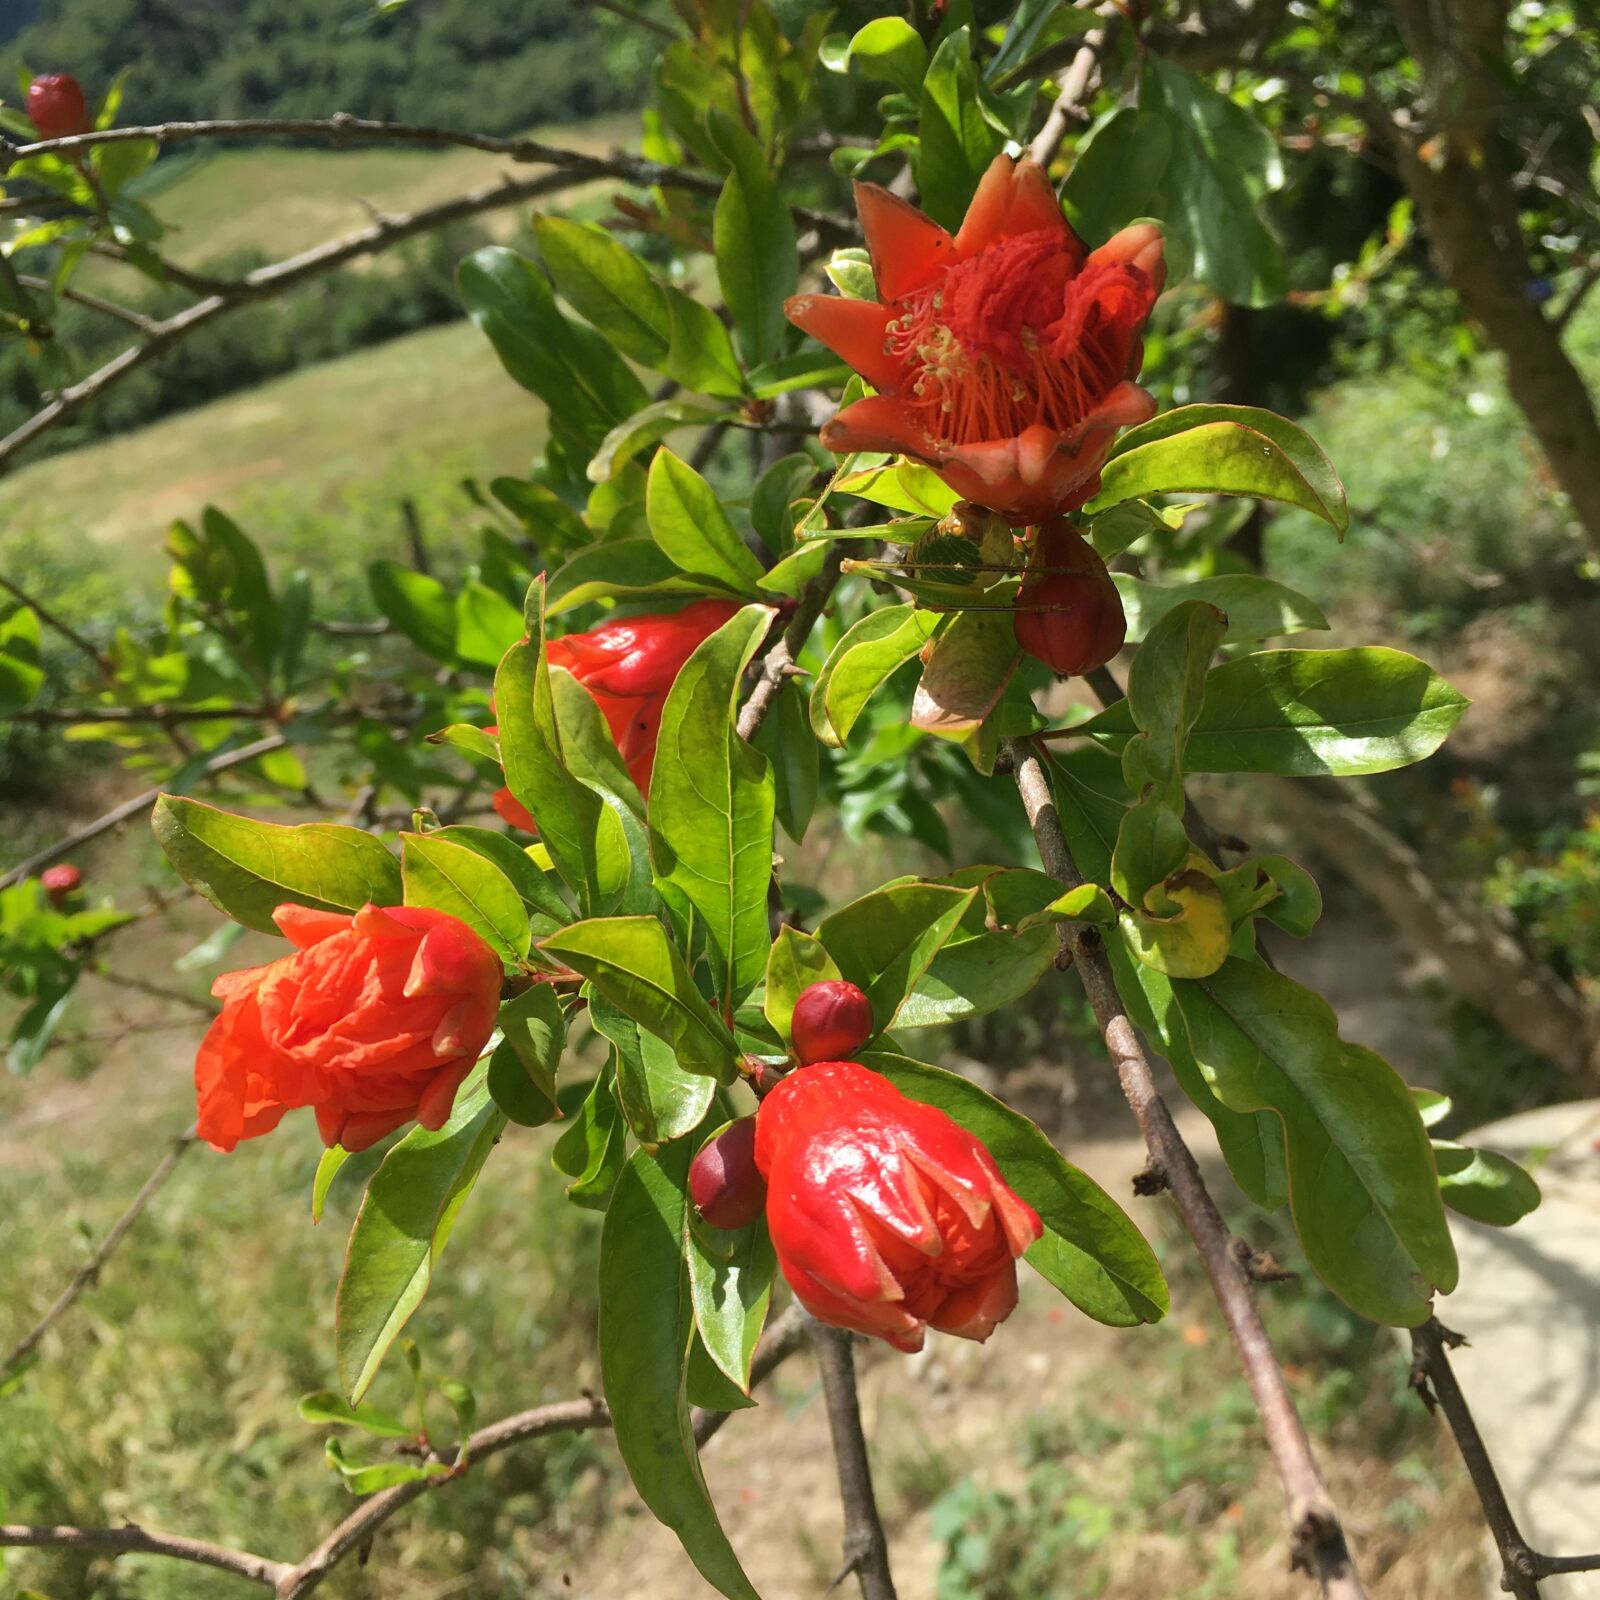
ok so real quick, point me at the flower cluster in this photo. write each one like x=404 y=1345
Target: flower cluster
x=628 y=667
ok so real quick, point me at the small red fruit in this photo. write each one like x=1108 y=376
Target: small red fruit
x=60 y=881
x=1068 y=612
x=57 y=107
x=724 y=1184
x=831 y=1022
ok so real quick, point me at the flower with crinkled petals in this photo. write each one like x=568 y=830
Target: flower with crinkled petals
x=373 y=1021
x=1004 y=354
x=887 y=1217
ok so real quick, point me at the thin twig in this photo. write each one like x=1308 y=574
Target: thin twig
x=89 y=1273
x=94 y=302
x=776 y=664
x=866 y=1549
x=637 y=18
x=134 y=1540
x=51 y=620
x=1589 y=277
x=131 y=808
x=1316 y=1535
x=54 y=716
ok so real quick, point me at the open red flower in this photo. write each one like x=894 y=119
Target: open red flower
x=1003 y=355
x=373 y=1021
x=628 y=667
x=887 y=1217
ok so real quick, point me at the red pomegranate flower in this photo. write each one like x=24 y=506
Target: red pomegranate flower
x=628 y=667
x=886 y=1216
x=1003 y=355
x=373 y=1021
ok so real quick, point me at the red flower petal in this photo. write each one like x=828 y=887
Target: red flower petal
x=853 y=329
x=908 y=248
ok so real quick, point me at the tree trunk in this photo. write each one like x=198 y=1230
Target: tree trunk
x=1483 y=958
x=1451 y=166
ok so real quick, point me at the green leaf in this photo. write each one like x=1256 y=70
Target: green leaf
x=607 y=285
x=1256 y=608
x=328 y=1165
x=774 y=493
x=1210 y=449
x=539 y=894
x=796 y=961
x=449 y=877
x=326 y=1406
x=1483 y=1184
x=753 y=234
x=730 y=1278
x=958 y=142
x=487 y=625
x=402 y=1228
x=889 y=50
x=372 y=1477
x=902 y=486
x=1362 y=1185
x=1090 y=1249
x=522 y=1071
x=885 y=941
x=1167 y=685
x=688 y=522
x=711 y=805
x=587 y=386
x=633 y=964
x=646 y=1324
x=1432 y=1107
x=627 y=569
x=646 y=428
x=1151 y=845
x=784 y=738
x=701 y=357
x=965 y=674
x=1223 y=163
x=859 y=665
x=593 y=1146
x=21 y=676
x=420 y=607
x=1306 y=712
x=246 y=869
x=1115 y=171
x=660 y=1100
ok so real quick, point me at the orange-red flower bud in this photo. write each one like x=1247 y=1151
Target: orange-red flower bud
x=56 y=106
x=1003 y=355
x=1068 y=612
x=831 y=1022
x=373 y=1021
x=724 y=1184
x=60 y=881
x=887 y=1217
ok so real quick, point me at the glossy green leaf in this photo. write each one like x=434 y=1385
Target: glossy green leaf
x=646 y=428
x=417 y=605
x=629 y=569
x=730 y=1278
x=711 y=805
x=449 y=877
x=859 y=665
x=633 y=964
x=522 y=1072
x=796 y=961
x=1090 y=1249
x=889 y=50
x=785 y=739
x=1305 y=712
x=1483 y=1184
x=958 y=142
x=328 y=1165
x=965 y=673
x=701 y=356
x=688 y=522
x=1256 y=608
x=539 y=893
x=885 y=941
x=1118 y=527
x=593 y=1146
x=1213 y=449
x=487 y=625
x=247 y=869
x=607 y=285
x=326 y=1406
x=1115 y=171
x=1362 y=1185
x=361 y=1477
x=646 y=1324
x=21 y=676
x=753 y=235
x=660 y=1100
x=1167 y=685
x=402 y=1228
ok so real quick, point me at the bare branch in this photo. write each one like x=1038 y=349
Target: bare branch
x=55 y=716
x=1586 y=281
x=637 y=18
x=776 y=665
x=89 y=1273
x=866 y=1550
x=131 y=808
x=133 y=1540
x=134 y=319
x=51 y=620
x=1316 y=1534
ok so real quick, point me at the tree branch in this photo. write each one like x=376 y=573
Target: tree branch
x=776 y=665
x=131 y=808
x=134 y=1540
x=866 y=1550
x=134 y=319
x=51 y=620
x=1316 y=1535
x=89 y=1272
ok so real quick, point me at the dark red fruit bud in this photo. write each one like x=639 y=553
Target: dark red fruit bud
x=57 y=107
x=831 y=1022
x=1068 y=612
x=726 y=1188
x=60 y=881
